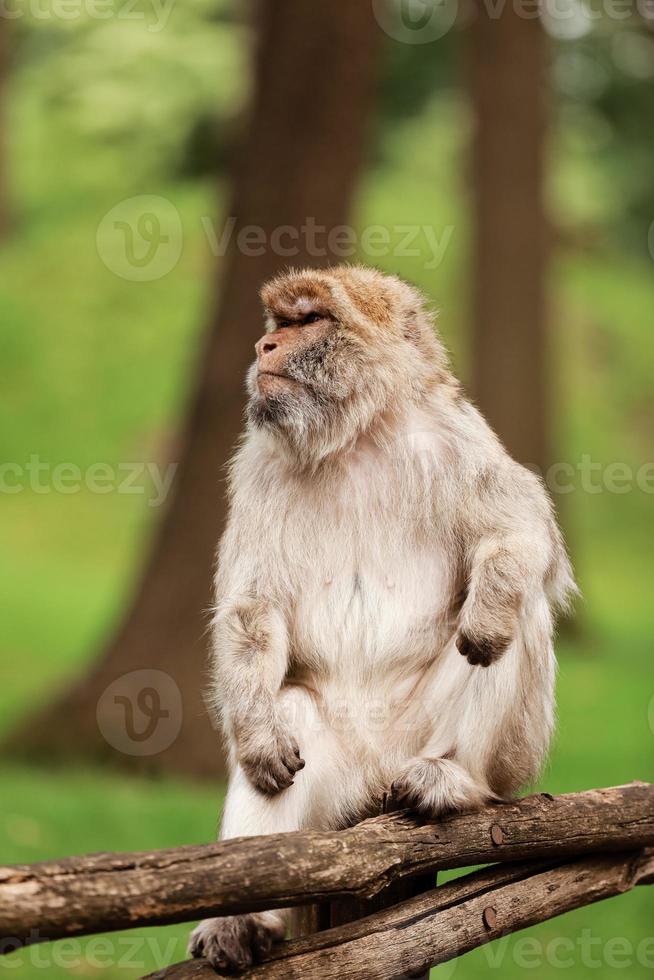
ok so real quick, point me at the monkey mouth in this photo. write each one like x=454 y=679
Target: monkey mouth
x=277 y=374
x=273 y=374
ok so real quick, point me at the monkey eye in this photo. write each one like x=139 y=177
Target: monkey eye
x=312 y=318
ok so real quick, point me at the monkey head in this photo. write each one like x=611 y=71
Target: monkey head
x=344 y=349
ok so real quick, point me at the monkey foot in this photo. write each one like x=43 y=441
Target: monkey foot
x=234 y=943
x=433 y=787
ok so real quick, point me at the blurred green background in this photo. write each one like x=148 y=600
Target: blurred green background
x=95 y=367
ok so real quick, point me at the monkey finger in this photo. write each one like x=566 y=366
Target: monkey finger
x=269 y=776
x=283 y=775
x=265 y=783
x=289 y=774
x=293 y=764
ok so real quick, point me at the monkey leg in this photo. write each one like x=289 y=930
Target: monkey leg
x=489 y=727
x=324 y=794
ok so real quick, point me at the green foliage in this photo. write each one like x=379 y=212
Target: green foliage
x=602 y=70
x=93 y=93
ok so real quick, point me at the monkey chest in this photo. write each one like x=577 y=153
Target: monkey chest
x=372 y=610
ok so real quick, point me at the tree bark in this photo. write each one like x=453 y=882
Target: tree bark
x=454 y=919
x=315 y=71
x=78 y=896
x=310 y=919
x=508 y=81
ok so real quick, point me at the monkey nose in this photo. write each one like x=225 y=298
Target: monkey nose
x=265 y=346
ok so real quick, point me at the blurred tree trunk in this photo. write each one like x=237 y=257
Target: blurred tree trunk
x=5 y=59
x=315 y=82
x=508 y=55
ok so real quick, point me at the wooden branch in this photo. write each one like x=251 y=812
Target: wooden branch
x=409 y=939
x=105 y=892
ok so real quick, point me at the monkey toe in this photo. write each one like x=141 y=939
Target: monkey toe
x=262 y=939
x=405 y=794
x=234 y=943
x=435 y=787
x=225 y=943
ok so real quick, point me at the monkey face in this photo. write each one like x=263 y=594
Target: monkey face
x=306 y=348
x=341 y=347
x=304 y=374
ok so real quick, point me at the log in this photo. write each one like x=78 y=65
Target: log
x=310 y=919
x=408 y=939
x=344 y=910
x=105 y=892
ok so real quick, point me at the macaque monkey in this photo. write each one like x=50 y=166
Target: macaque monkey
x=386 y=583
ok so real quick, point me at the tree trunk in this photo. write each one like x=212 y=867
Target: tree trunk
x=5 y=61
x=509 y=95
x=315 y=81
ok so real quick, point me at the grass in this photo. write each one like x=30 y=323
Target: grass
x=97 y=370
x=48 y=814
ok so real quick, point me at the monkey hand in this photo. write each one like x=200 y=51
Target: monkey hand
x=270 y=758
x=481 y=649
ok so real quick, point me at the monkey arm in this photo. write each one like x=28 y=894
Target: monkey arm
x=251 y=658
x=511 y=546
x=501 y=571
